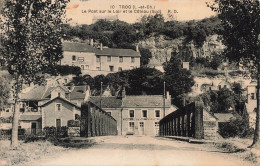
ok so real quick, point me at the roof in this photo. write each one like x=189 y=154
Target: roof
x=60 y=99
x=224 y=117
x=107 y=102
x=79 y=47
x=78 y=92
x=30 y=117
x=118 y=52
x=84 y=47
x=149 y=101
x=34 y=94
x=41 y=93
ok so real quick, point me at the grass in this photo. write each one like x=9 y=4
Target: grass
x=33 y=151
x=26 y=152
x=238 y=146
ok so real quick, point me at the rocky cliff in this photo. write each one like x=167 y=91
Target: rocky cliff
x=161 y=48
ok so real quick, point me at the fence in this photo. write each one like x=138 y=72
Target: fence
x=96 y=122
x=186 y=122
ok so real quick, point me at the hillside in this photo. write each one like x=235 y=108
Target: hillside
x=161 y=48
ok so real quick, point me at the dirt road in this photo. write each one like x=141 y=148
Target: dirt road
x=134 y=150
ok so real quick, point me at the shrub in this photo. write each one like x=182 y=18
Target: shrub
x=236 y=127
x=73 y=123
x=65 y=70
x=31 y=138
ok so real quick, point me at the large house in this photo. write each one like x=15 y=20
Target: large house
x=101 y=60
x=50 y=106
x=138 y=115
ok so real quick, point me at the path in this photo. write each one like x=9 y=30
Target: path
x=134 y=150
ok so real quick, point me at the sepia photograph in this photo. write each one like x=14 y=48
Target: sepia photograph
x=129 y=82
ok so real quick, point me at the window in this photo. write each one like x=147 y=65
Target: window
x=109 y=113
x=7 y=110
x=74 y=58
x=119 y=68
x=141 y=124
x=131 y=113
x=77 y=117
x=59 y=94
x=225 y=86
x=144 y=113
x=157 y=113
x=81 y=59
x=121 y=59
x=219 y=87
x=58 y=123
x=111 y=68
x=156 y=124
x=252 y=96
x=131 y=124
x=82 y=67
x=87 y=67
x=132 y=59
x=98 y=58
x=58 y=107
x=108 y=58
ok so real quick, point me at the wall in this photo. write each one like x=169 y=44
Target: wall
x=50 y=115
x=125 y=65
x=89 y=59
x=116 y=114
x=28 y=124
x=210 y=126
x=149 y=122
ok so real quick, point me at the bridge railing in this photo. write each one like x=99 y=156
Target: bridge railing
x=186 y=121
x=96 y=122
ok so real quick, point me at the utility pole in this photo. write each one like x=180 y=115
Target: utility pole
x=101 y=89
x=163 y=98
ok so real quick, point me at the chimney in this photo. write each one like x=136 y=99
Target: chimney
x=137 y=49
x=88 y=93
x=123 y=93
x=101 y=46
x=168 y=95
x=91 y=42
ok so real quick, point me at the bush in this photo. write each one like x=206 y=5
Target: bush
x=65 y=70
x=56 y=132
x=73 y=123
x=31 y=138
x=235 y=128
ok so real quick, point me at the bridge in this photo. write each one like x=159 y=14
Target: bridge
x=189 y=121
x=96 y=122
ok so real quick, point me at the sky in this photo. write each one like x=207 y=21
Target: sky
x=82 y=11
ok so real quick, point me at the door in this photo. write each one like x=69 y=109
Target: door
x=141 y=128
x=131 y=127
x=58 y=124
x=156 y=126
x=33 y=128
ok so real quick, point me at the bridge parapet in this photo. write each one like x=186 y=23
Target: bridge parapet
x=186 y=121
x=96 y=122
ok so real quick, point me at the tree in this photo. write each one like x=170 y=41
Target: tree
x=4 y=89
x=145 y=80
x=241 y=29
x=31 y=43
x=83 y=80
x=146 y=55
x=178 y=80
x=155 y=24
